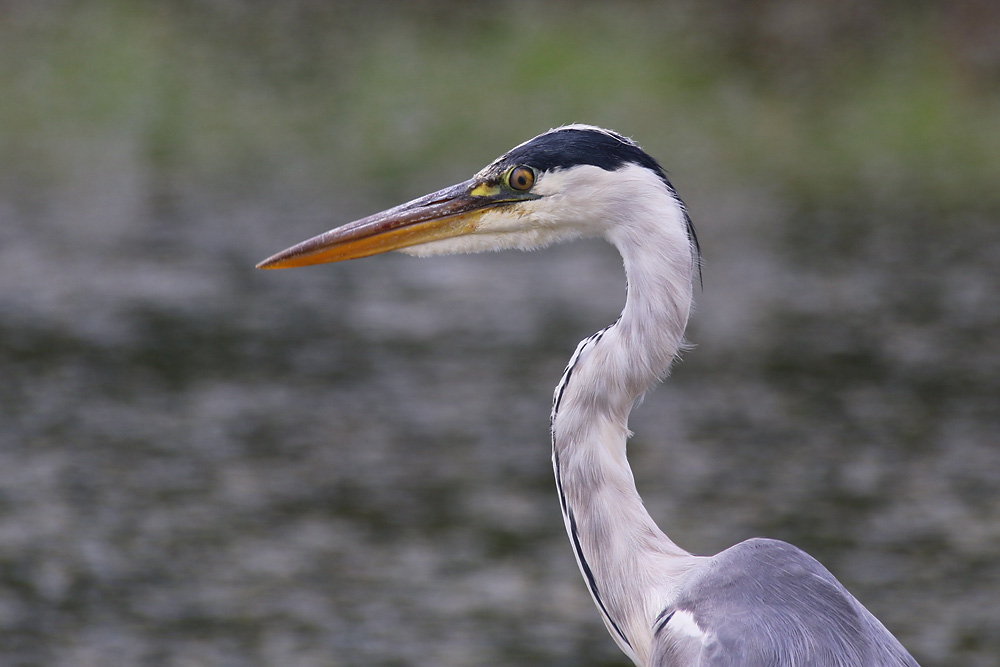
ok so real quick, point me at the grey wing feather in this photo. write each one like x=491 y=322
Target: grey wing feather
x=766 y=602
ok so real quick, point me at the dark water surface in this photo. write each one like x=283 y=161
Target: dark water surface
x=207 y=464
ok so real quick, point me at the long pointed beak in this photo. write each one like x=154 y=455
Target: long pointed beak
x=452 y=211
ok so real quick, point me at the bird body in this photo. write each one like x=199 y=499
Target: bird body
x=766 y=602
x=761 y=602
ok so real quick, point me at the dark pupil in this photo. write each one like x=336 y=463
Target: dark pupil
x=520 y=178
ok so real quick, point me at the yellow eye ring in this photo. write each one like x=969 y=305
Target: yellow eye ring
x=521 y=178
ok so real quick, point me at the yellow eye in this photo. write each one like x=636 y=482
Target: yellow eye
x=521 y=178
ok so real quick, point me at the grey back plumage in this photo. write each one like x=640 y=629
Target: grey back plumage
x=766 y=602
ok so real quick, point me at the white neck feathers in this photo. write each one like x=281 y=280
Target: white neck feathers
x=615 y=540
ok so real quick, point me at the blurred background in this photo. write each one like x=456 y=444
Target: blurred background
x=206 y=464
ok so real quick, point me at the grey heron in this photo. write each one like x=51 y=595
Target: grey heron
x=760 y=602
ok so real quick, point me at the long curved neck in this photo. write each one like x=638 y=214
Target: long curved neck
x=629 y=564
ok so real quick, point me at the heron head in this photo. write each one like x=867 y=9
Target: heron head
x=571 y=182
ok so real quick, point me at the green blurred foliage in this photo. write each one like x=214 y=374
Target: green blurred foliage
x=883 y=101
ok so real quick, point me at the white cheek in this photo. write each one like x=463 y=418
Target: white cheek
x=581 y=197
